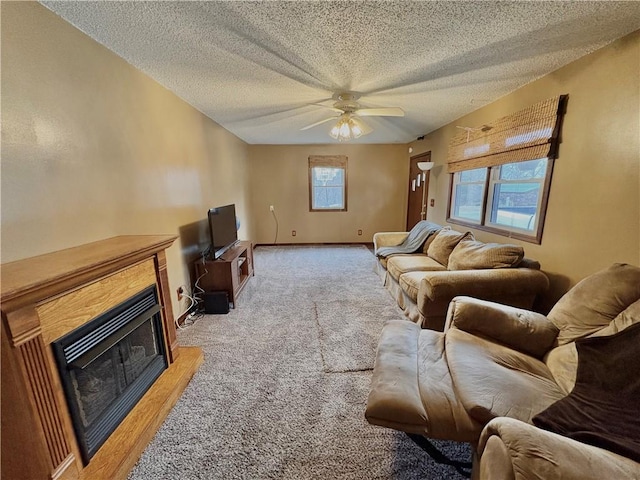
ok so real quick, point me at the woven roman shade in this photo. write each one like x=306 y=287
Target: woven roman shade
x=529 y=134
x=339 y=161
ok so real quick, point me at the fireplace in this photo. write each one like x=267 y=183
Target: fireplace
x=108 y=364
x=50 y=299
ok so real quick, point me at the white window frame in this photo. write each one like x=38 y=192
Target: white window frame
x=492 y=180
x=331 y=162
x=454 y=190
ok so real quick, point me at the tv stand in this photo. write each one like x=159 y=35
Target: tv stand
x=229 y=273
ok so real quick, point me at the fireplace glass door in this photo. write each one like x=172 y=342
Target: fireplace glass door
x=108 y=364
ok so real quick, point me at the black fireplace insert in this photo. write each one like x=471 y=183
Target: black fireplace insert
x=108 y=364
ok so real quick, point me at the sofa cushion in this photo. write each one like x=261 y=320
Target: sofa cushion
x=595 y=302
x=399 y=264
x=443 y=244
x=410 y=284
x=473 y=255
x=496 y=381
x=385 y=260
x=428 y=241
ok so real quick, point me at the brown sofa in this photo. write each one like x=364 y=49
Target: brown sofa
x=452 y=263
x=494 y=361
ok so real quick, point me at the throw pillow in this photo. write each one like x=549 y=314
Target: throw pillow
x=444 y=243
x=474 y=255
x=429 y=240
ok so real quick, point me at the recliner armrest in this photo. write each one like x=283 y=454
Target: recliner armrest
x=394 y=400
x=388 y=239
x=508 y=445
x=526 y=331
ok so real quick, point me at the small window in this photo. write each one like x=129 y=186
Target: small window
x=327 y=183
x=507 y=199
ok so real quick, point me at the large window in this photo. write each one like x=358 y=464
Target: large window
x=327 y=183
x=501 y=171
x=509 y=199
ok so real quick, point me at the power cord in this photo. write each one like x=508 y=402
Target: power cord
x=191 y=305
x=275 y=240
x=205 y=253
x=195 y=300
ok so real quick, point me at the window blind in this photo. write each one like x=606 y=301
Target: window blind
x=339 y=161
x=529 y=134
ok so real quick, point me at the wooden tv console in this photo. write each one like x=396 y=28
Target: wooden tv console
x=229 y=273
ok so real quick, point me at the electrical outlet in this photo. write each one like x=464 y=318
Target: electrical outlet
x=359 y=232
x=293 y=233
x=180 y=292
x=271 y=208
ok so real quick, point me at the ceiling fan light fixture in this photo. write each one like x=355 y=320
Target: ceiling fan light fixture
x=346 y=129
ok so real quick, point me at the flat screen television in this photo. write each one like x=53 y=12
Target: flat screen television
x=223 y=229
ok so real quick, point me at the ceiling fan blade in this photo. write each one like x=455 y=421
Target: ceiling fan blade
x=328 y=106
x=319 y=123
x=380 y=112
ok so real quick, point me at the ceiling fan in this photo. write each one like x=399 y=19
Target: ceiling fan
x=349 y=125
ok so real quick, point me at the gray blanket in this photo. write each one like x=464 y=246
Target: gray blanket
x=417 y=236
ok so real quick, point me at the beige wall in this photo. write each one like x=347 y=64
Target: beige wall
x=593 y=218
x=93 y=148
x=376 y=198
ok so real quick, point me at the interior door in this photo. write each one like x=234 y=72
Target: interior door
x=418 y=181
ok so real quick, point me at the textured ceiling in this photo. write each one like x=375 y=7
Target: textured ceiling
x=256 y=67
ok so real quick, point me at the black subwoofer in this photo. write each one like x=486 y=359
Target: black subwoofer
x=216 y=302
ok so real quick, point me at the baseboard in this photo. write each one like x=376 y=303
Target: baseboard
x=312 y=244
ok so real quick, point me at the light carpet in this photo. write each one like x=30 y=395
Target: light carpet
x=283 y=388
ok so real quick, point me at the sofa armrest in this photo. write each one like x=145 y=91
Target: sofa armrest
x=526 y=331
x=388 y=239
x=509 y=449
x=480 y=283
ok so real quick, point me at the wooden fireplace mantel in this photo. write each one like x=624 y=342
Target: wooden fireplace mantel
x=44 y=298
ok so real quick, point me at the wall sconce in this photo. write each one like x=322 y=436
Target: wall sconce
x=425 y=167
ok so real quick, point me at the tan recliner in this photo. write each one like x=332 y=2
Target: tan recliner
x=495 y=361
x=510 y=449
